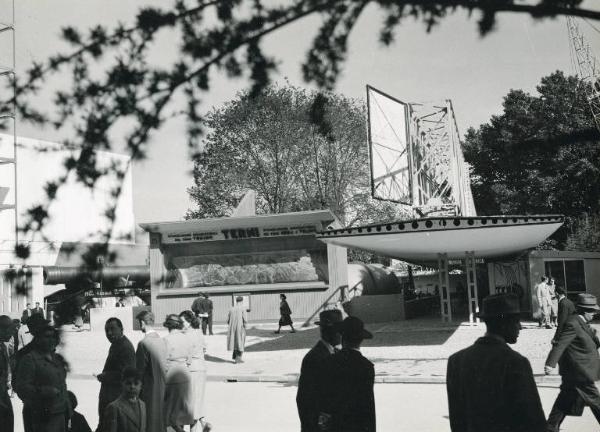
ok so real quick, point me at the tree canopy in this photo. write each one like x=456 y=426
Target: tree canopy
x=541 y=155
x=271 y=144
x=114 y=82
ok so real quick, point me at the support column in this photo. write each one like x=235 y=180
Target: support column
x=444 y=284
x=471 y=268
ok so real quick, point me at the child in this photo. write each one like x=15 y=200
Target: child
x=77 y=423
x=127 y=413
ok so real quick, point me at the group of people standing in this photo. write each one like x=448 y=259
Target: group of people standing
x=547 y=298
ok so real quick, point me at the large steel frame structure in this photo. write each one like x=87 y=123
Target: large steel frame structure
x=587 y=68
x=416 y=158
x=8 y=71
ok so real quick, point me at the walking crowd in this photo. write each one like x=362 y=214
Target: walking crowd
x=162 y=383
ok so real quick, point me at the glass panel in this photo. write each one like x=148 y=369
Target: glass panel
x=555 y=269
x=248 y=269
x=575 y=276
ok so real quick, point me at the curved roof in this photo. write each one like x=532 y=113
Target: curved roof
x=422 y=240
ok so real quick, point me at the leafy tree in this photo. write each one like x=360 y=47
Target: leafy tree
x=114 y=82
x=586 y=234
x=269 y=143
x=541 y=155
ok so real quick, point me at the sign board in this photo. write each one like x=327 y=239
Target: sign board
x=389 y=147
x=240 y=233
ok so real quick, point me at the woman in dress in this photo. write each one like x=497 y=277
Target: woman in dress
x=191 y=327
x=179 y=397
x=286 y=314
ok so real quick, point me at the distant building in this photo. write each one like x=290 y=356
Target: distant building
x=77 y=217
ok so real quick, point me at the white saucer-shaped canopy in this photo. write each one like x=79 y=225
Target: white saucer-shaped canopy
x=421 y=240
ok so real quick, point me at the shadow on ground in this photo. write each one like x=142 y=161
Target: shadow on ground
x=401 y=333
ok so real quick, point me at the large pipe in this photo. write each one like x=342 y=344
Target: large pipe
x=59 y=275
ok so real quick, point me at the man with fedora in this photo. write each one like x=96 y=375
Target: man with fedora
x=310 y=383
x=576 y=352
x=348 y=403
x=490 y=386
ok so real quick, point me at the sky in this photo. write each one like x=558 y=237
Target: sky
x=451 y=62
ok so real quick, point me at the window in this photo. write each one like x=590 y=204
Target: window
x=569 y=274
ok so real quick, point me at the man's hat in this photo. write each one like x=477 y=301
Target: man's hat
x=353 y=328
x=329 y=318
x=587 y=301
x=500 y=305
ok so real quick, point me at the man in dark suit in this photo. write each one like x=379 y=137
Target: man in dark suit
x=566 y=308
x=27 y=312
x=120 y=355
x=576 y=352
x=6 y=411
x=348 y=403
x=490 y=386
x=38 y=310
x=311 y=372
x=203 y=308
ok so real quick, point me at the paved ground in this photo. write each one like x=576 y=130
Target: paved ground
x=414 y=349
x=259 y=407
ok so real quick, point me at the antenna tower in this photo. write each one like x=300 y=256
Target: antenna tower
x=587 y=68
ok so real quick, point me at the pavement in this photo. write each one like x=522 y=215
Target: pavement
x=412 y=351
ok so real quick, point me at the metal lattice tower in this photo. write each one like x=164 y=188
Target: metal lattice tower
x=587 y=68
x=8 y=115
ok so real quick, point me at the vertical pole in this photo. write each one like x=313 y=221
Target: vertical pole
x=14 y=69
x=471 y=268
x=444 y=284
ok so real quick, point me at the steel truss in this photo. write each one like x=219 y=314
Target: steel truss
x=587 y=68
x=440 y=175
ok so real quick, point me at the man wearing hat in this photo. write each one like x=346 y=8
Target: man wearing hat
x=490 y=386
x=348 y=403
x=34 y=324
x=6 y=411
x=311 y=378
x=576 y=352
x=236 y=332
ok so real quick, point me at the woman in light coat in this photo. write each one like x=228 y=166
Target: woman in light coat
x=191 y=327
x=179 y=396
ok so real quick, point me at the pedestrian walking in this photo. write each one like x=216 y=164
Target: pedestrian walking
x=490 y=386
x=150 y=357
x=285 y=314
x=203 y=308
x=127 y=413
x=178 y=402
x=121 y=354
x=236 y=333
x=6 y=410
x=41 y=383
x=197 y=367
x=576 y=352
x=311 y=380
x=348 y=402
x=77 y=422
x=566 y=308
x=544 y=302
x=27 y=312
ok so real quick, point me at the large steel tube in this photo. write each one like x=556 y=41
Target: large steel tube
x=59 y=275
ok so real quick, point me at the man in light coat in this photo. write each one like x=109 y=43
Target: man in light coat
x=490 y=386
x=150 y=361
x=544 y=301
x=236 y=333
x=576 y=352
